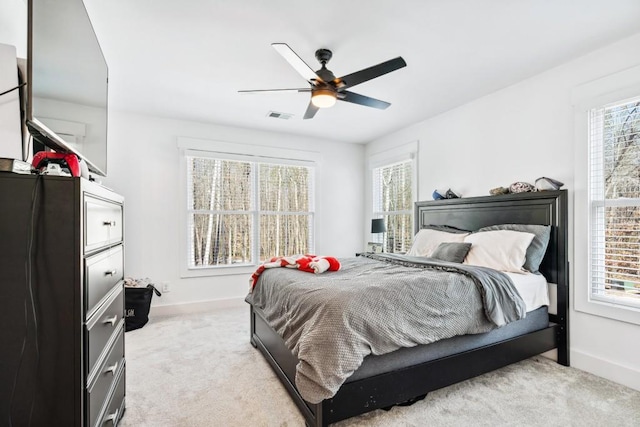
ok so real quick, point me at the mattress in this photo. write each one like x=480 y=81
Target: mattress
x=404 y=357
x=533 y=289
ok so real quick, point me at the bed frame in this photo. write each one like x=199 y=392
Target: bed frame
x=408 y=384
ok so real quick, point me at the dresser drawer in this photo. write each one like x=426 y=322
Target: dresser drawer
x=113 y=412
x=102 y=272
x=102 y=223
x=97 y=392
x=104 y=323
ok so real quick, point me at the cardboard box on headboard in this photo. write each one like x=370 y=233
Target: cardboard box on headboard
x=10 y=122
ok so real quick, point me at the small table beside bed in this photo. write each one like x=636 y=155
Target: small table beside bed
x=387 y=329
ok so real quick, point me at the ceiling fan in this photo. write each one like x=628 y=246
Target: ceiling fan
x=325 y=88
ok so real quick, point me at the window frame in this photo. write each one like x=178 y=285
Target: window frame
x=401 y=154
x=191 y=147
x=605 y=91
x=598 y=205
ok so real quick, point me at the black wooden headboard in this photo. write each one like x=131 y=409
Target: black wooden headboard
x=543 y=208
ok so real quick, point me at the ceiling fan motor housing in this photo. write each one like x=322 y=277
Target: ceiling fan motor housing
x=323 y=56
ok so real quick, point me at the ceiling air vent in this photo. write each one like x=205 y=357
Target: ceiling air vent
x=276 y=115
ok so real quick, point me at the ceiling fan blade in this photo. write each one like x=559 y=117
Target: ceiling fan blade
x=311 y=111
x=356 y=98
x=362 y=76
x=296 y=62
x=307 y=89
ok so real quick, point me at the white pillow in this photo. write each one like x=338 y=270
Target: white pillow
x=502 y=250
x=427 y=240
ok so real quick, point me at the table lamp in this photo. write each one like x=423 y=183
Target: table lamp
x=378 y=226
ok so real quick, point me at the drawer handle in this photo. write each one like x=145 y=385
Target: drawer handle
x=109 y=223
x=112 y=417
x=110 y=273
x=112 y=369
x=111 y=320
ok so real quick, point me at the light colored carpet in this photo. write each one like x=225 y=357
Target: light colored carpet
x=200 y=370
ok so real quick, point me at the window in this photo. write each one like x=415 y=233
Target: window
x=614 y=187
x=604 y=149
x=241 y=211
x=393 y=200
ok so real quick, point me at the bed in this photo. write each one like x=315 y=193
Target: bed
x=408 y=374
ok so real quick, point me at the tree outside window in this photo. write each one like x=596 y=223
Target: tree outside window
x=243 y=212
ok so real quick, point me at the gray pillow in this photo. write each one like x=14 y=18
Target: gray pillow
x=451 y=251
x=538 y=246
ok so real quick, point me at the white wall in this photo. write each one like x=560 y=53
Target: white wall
x=519 y=134
x=143 y=166
x=13 y=25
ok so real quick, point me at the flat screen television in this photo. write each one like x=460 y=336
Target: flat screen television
x=67 y=79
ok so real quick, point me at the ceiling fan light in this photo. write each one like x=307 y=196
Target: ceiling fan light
x=323 y=98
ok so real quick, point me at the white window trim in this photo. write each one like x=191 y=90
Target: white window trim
x=619 y=86
x=393 y=155
x=401 y=153
x=232 y=151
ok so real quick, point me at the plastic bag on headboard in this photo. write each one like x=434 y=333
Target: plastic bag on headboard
x=544 y=183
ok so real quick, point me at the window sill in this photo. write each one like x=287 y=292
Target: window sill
x=608 y=310
x=230 y=270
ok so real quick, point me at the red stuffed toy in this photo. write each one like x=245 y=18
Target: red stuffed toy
x=308 y=263
x=317 y=265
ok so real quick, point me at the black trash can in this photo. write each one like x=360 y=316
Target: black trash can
x=137 y=302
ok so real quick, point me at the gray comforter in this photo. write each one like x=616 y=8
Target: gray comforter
x=376 y=305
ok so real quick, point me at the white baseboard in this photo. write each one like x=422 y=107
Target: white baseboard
x=625 y=375
x=197 y=307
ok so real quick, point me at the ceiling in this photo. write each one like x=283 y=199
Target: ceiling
x=187 y=59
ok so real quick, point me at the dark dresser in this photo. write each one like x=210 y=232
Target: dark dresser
x=61 y=302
